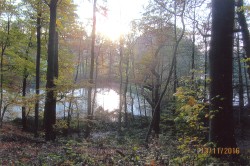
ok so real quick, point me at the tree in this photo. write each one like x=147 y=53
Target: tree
x=50 y=101
x=220 y=58
x=245 y=32
x=91 y=74
x=120 y=86
x=165 y=38
x=4 y=42
x=240 y=79
x=24 y=86
x=38 y=57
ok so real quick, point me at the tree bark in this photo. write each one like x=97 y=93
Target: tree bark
x=50 y=101
x=246 y=81
x=241 y=90
x=156 y=106
x=24 y=87
x=120 y=88
x=244 y=31
x=125 y=94
x=193 y=45
x=132 y=102
x=91 y=75
x=4 y=45
x=24 y=118
x=220 y=58
x=38 y=57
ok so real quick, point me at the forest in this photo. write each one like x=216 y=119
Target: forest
x=170 y=88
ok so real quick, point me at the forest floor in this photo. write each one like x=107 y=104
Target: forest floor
x=243 y=137
x=21 y=148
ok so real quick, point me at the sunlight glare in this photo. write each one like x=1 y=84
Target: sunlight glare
x=108 y=99
x=111 y=29
x=117 y=20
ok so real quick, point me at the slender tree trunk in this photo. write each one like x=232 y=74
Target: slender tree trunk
x=247 y=87
x=91 y=75
x=175 y=57
x=157 y=107
x=138 y=100
x=74 y=81
x=56 y=65
x=24 y=118
x=110 y=65
x=145 y=107
x=50 y=102
x=25 y=76
x=125 y=93
x=24 y=86
x=241 y=91
x=3 y=49
x=132 y=102
x=244 y=31
x=1 y=85
x=38 y=57
x=171 y=72
x=120 y=89
x=220 y=58
x=85 y=69
x=193 y=44
x=96 y=75
x=205 y=70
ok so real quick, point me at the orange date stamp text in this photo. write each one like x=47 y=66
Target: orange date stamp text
x=219 y=151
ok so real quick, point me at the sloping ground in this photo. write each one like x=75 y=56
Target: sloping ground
x=243 y=142
x=21 y=148
x=243 y=137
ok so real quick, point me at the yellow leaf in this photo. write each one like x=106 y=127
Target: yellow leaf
x=191 y=101
x=58 y=23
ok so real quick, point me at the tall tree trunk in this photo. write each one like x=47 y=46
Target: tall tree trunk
x=171 y=72
x=1 y=86
x=3 y=49
x=157 y=106
x=96 y=75
x=193 y=43
x=120 y=89
x=175 y=57
x=78 y=68
x=91 y=74
x=38 y=57
x=145 y=107
x=138 y=100
x=125 y=94
x=110 y=65
x=24 y=118
x=220 y=58
x=241 y=91
x=244 y=31
x=24 y=86
x=132 y=102
x=56 y=65
x=50 y=101
x=247 y=87
x=205 y=70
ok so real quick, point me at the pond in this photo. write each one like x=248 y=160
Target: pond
x=106 y=98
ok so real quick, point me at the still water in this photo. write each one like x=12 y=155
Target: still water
x=106 y=98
